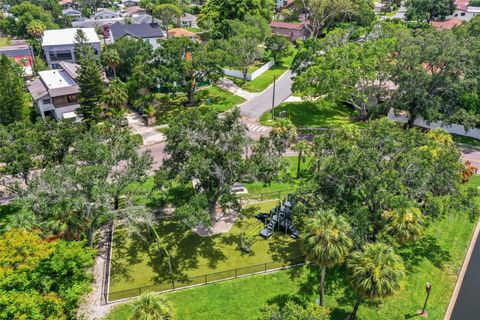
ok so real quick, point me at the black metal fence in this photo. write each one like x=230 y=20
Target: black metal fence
x=259 y=197
x=175 y=284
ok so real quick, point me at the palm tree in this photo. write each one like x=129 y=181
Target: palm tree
x=376 y=273
x=405 y=225
x=304 y=148
x=152 y=307
x=111 y=58
x=116 y=98
x=283 y=134
x=327 y=242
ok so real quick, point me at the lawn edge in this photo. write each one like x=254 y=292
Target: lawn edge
x=461 y=275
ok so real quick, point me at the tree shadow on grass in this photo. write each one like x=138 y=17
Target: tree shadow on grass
x=425 y=248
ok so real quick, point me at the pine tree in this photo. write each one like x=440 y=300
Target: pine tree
x=89 y=80
x=13 y=96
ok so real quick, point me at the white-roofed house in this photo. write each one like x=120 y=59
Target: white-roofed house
x=59 y=45
x=56 y=92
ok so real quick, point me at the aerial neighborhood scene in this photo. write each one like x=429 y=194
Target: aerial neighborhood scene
x=239 y=159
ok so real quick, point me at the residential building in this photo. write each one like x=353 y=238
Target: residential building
x=464 y=11
x=92 y=23
x=103 y=14
x=68 y=4
x=59 y=45
x=56 y=92
x=293 y=31
x=22 y=53
x=188 y=21
x=182 y=33
x=130 y=3
x=149 y=32
x=72 y=13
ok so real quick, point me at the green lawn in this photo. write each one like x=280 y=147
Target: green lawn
x=136 y=262
x=213 y=97
x=313 y=114
x=436 y=258
x=195 y=30
x=266 y=79
x=466 y=140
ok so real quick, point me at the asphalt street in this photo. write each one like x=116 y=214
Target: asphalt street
x=255 y=107
x=467 y=306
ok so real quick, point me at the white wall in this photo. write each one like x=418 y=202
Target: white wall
x=451 y=128
x=250 y=76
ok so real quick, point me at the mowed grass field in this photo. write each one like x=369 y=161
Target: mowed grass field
x=312 y=114
x=139 y=261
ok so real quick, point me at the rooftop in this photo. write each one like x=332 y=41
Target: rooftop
x=55 y=79
x=67 y=36
x=447 y=24
x=142 y=30
x=287 y=25
x=179 y=32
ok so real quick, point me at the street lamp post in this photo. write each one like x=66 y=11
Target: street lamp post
x=423 y=312
x=273 y=98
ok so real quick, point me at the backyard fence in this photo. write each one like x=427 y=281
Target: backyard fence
x=259 y=197
x=251 y=75
x=189 y=282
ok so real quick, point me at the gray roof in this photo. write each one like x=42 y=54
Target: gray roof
x=142 y=30
x=59 y=92
x=188 y=17
x=37 y=89
x=17 y=48
x=70 y=68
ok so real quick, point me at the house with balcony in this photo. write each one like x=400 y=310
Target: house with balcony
x=56 y=92
x=59 y=45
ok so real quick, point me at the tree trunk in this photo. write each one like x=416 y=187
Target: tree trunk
x=191 y=97
x=90 y=236
x=114 y=72
x=411 y=121
x=355 y=309
x=300 y=155
x=322 y=286
x=245 y=73
x=116 y=202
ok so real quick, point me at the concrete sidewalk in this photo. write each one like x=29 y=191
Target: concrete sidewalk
x=150 y=135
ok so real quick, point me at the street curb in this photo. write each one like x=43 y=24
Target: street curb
x=461 y=275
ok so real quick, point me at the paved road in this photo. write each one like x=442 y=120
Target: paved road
x=467 y=306
x=473 y=156
x=255 y=107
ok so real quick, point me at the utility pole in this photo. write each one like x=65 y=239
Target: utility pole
x=273 y=98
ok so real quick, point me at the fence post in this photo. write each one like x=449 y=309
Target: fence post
x=173 y=284
x=236 y=273
x=265 y=267
x=206 y=279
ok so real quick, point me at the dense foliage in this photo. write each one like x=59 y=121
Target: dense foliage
x=41 y=279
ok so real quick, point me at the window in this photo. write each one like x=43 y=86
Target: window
x=60 y=55
x=72 y=98
x=47 y=101
x=462 y=14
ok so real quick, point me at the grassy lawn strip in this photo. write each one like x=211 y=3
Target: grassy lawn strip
x=263 y=81
x=313 y=114
x=213 y=97
x=436 y=258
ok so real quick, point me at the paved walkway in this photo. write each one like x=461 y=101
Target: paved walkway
x=258 y=105
x=229 y=85
x=150 y=135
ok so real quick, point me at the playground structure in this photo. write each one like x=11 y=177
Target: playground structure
x=280 y=219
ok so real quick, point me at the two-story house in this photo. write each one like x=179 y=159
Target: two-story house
x=59 y=45
x=56 y=92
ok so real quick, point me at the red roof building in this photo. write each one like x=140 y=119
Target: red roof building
x=293 y=31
